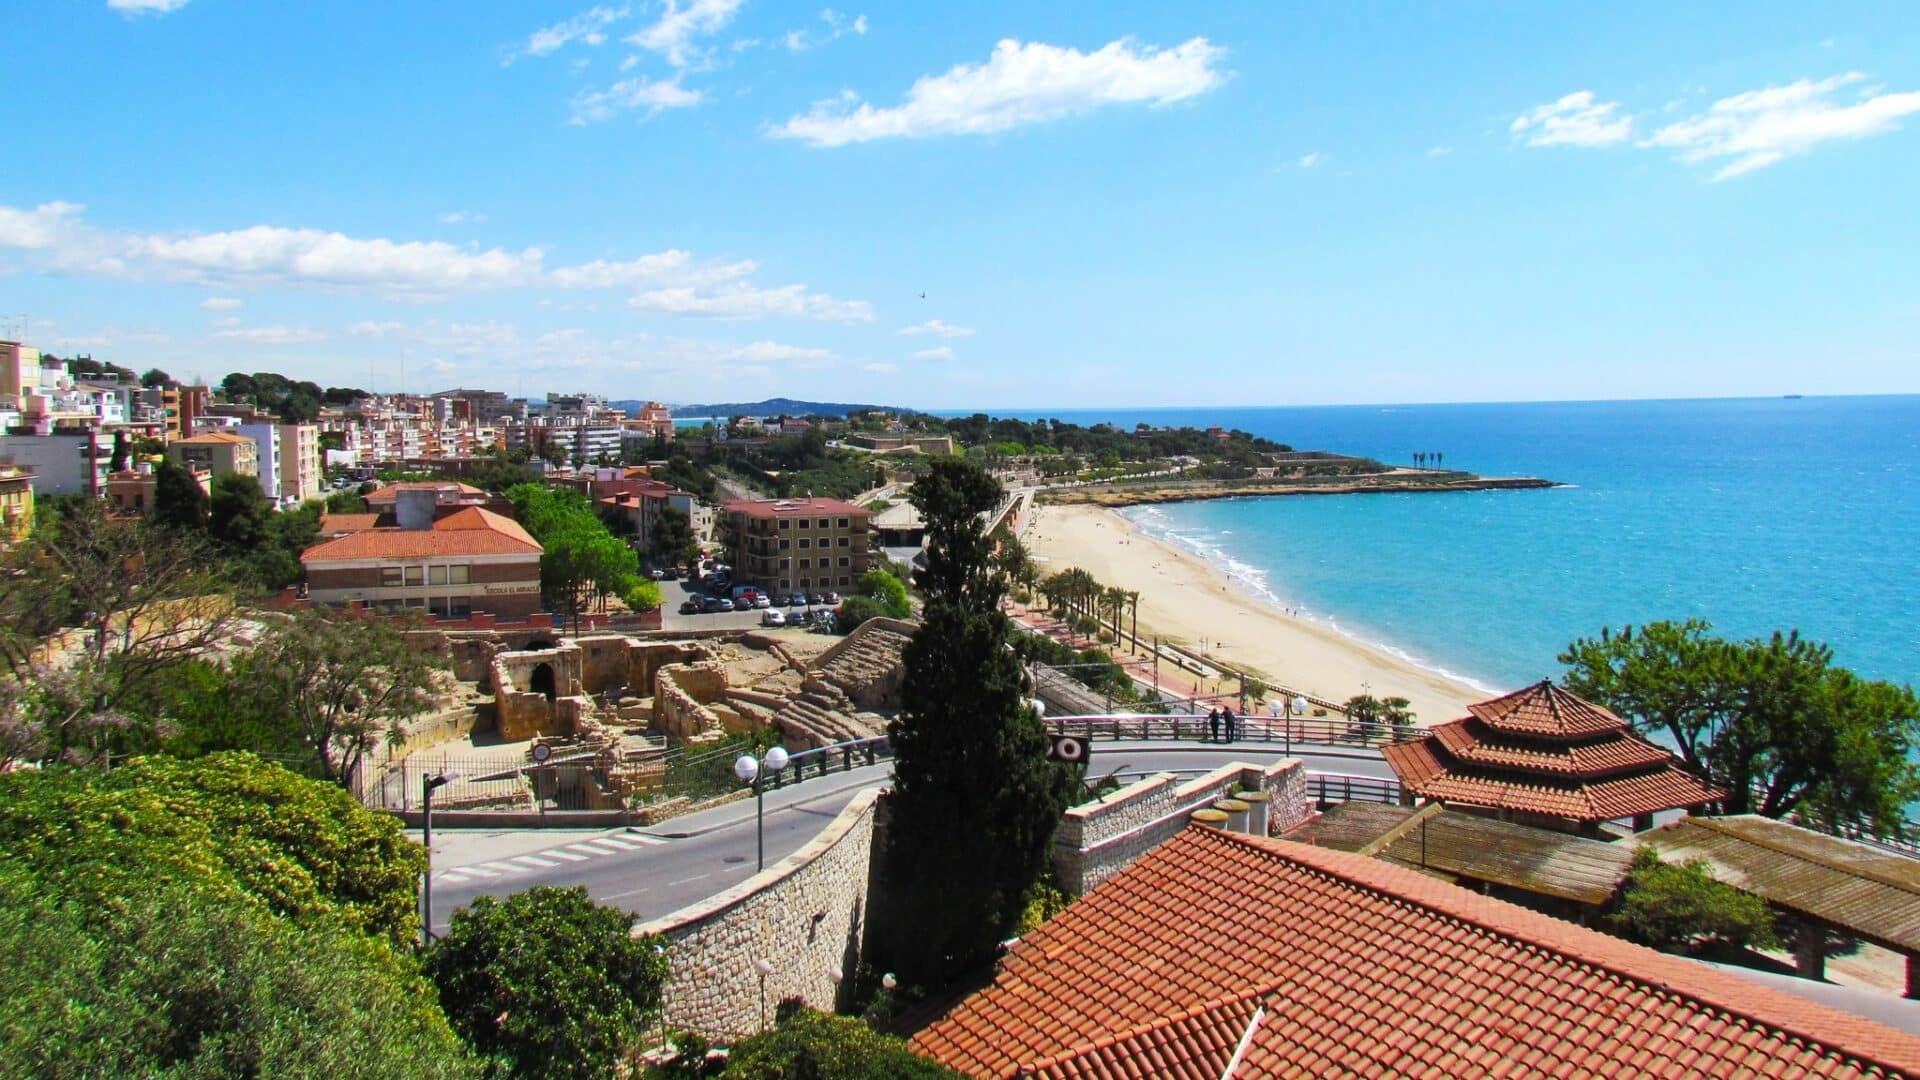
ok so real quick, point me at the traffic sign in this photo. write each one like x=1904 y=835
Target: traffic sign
x=1069 y=749
x=541 y=753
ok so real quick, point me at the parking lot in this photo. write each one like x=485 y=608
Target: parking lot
x=674 y=593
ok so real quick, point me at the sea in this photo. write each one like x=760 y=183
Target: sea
x=1755 y=514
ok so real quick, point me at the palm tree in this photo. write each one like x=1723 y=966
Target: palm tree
x=1397 y=711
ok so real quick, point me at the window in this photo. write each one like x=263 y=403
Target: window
x=436 y=575
x=824 y=523
x=843 y=581
x=844 y=542
x=805 y=563
x=785 y=544
x=804 y=543
x=459 y=607
x=843 y=523
x=459 y=575
x=785 y=524
x=844 y=561
x=804 y=522
x=804 y=582
x=390 y=577
x=416 y=575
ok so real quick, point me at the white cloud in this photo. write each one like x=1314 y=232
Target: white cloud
x=221 y=303
x=795 y=41
x=271 y=335
x=763 y=351
x=652 y=95
x=1761 y=127
x=740 y=300
x=1440 y=151
x=838 y=26
x=938 y=328
x=439 y=366
x=146 y=7
x=1021 y=84
x=459 y=217
x=1574 y=120
x=1308 y=161
x=588 y=28
x=671 y=281
x=942 y=352
x=860 y=24
x=881 y=367
x=674 y=34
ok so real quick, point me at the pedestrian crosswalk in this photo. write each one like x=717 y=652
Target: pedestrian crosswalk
x=539 y=861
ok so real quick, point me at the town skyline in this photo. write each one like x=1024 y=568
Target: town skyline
x=999 y=208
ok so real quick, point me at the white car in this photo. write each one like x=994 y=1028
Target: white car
x=773 y=617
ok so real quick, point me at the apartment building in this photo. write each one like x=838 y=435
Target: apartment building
x=16 y=503
x=63 y=462
x=218 y=452
x=300 y=471
x=809 y=544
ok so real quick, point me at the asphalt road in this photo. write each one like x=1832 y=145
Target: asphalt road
x=655 y=871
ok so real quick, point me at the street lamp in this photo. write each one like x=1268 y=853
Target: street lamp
x=751 y=771
x=428 y=785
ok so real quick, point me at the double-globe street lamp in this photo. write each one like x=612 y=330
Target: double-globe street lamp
x=754 y=771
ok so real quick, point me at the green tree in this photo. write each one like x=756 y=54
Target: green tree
x=1770 y=720
x=178 y=499
x=1397 y=711
x=974 y=801
x=238 y=512
x=889 y=592
x=1362 y=709
x=854 y=610
x=1681 y=904
x=811 y=1045
x=582 y=557
x=340 y=683
x=156 y=378
x=118 y=461
x=546 y=983
x=670 y=540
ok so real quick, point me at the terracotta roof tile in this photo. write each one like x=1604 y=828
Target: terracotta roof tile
x=1545 y=709
x=472 y=531
x=1366 y=968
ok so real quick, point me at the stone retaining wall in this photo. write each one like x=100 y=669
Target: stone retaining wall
x=1099 y=839
x=804 y=916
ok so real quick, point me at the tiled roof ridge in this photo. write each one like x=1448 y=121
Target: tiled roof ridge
x=1662 y=973
x=1559 y=703
x=1868 y=871
x=1119 y=1035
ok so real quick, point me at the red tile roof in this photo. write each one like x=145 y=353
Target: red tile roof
x=778 y=508
x=1545 y=709
x=472 y=531
x=339 y=524
x=1364 y=968
x=1543 y=750
x=391 y=493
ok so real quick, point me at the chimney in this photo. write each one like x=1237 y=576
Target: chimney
x=415 y=507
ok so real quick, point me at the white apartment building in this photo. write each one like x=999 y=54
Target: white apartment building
x=300 y=470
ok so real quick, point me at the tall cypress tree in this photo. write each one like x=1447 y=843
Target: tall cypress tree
x=974 y=800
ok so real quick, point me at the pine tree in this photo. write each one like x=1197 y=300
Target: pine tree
x=178 y=499
x=974 y=800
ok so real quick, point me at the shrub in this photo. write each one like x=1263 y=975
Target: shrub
x=547 y=983
x=1669 y=904
x=811 y=1045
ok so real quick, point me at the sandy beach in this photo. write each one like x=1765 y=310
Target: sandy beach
x=1185 y=599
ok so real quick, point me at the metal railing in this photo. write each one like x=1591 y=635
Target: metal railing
x=1196 y=727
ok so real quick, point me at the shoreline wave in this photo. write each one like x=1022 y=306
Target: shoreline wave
x=1259 y=580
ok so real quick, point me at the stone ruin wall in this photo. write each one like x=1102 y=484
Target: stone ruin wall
x=681 y=696
x=1098 y=840
x=806 y=916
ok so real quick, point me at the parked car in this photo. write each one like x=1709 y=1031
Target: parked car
x=796 y=600
x=718 y=603
x=692 y=606
x=816 y=599
x=657 y=575
x=771 y=617
x=762 y=600
x=833 y=599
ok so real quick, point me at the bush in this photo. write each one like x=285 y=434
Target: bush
x=227 y=825
x=855 y=610
x=1668 y=905
x=547 y=983
x=811 y=1045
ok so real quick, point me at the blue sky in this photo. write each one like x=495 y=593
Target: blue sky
x=1111 y=204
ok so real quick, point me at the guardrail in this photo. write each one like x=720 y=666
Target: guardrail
x=1196 y=727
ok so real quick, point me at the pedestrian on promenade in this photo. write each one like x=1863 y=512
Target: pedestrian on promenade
x=1231 y=722
x=1213 y=725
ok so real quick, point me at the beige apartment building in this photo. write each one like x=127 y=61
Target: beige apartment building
x=786 y=544
x=217 y=452
x=300 y=469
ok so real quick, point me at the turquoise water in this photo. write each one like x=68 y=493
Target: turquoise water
x=1756 y=514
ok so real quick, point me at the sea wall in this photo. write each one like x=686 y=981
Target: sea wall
x=1097 y=840
x=804 y=917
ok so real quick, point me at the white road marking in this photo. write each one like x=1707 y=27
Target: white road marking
x=535 y=860
x=643 y=838
x=691 y=880
x=629 y=892
x=504 y=867
x=474 y=871
x=607 y=845
x=454 y=876
x=567 y=855
x=586 y=849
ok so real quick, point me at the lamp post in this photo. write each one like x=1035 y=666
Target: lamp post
x=754 y=771
x=428 y=785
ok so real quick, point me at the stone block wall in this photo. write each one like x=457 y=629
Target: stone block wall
x=1099 y=839
x=804 y=916
x=681 y=693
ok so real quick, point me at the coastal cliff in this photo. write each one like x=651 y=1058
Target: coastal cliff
x=1165 y=491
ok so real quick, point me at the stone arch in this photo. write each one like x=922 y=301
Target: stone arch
x=541 y=680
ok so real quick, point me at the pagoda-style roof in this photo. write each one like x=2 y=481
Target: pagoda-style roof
x=1543 y=750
